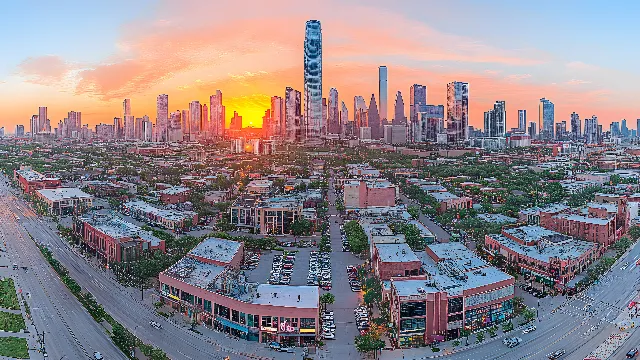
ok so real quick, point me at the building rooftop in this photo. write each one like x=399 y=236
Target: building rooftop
x=169 y=214
x=117 y=228
x=31 y=175
x=433 y=188
x=497 y=218
x=413 y=287
x=443 y=196
x=216 y=249
x=400 y=252
x=557 y=246
x=612 y=208
x=64 y=194
x=195 y=273
x=583 y=219
x=531 y=233
x=174 y=190
x=306 y=297
x=424 y=230
x=461 y=257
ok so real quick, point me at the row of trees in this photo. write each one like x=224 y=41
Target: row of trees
x=358 y=241
x=411 y=235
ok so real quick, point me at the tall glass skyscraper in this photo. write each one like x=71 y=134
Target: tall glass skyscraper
x=522 y=120
x=546 y=119
x=457 y=112
x=313 y=80
x=382 y=91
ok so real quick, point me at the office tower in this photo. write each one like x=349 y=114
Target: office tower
x=333 y=116
x=637 y=127
x=73 y=122
x=576 y=126
x=175 y=126
x=186 y=125
x=457 y=112
x=532 y=130
x=292 y=114
x=266 y=124
x=19 y=130
x=398 y=117
x=236 y=122
x=417 y=97
x=522 y=120
x=599 y=134
x=624 y=130
x=359 y=113
x=614 y=129
x=195 y=110
x=325 y=110
x=591 y=130
x=217 y=114
x=162 y=118
x=495 y=120
x=148 y=131
x=546 y=119
x=429 y=124
x=42 y=119
x=34 y=123
x=561 y=129
x=373 y=119
x=277 y=116
x=313 y=80
x=204 y=119
x=138 y=129
x=383 y=92
x=344 y=119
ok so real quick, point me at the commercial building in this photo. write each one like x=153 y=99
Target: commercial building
x=261 y=187
x=174 y=194
x=362 y=194
x=461 y=291
x=30 y=180
x=448 y=201
x=394 y=260
x=207 y=286
x=165 y=218
x=546 y=119
x=62 y=201
x=113 y=239
x=551 y=258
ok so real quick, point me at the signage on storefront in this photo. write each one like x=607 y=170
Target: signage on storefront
x=286 y=327
x=269 y=329
x=311 y=331
x=414 y=297
x=174 y=297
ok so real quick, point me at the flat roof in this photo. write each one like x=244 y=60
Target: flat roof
x=531 y=233
x=174 y=190
x=445 y=195
x=583 y=219
x=413 y=287
x=305 y=297
x=168 y=214
x=216 y=249
x=569 y=248
x=64 y=194
x=457 y=252
x=32 y=175
x=612 y=208
x=400 y=252
x=195 y=273
x=497 y=218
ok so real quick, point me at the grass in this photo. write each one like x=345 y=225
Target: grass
x=11 y=322
x=8 y=297
x=14 y=347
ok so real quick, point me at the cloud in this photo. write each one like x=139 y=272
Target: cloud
x=518 y=77
x=493 y=72
x=577 y=82
x=44 y=70
x=579 y=65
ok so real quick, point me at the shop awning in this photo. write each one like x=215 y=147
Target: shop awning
x=232 y=325
x=296 y=334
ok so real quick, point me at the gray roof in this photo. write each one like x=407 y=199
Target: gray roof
x=442 y=196
x=64 y=194
x=216 y=249
x=287 y=296
x=396 y=253
x=497 y=218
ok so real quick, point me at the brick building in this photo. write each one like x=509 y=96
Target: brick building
x=30 y=180
x=447 y=201
x=174 y=195
x=395 y=260
x=363 y=194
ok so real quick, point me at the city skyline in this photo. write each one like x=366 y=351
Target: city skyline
x=64 y=77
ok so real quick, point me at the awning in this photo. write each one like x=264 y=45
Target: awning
x=296 y=334
x=232 y=325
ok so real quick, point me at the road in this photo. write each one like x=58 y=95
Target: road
x=570 y=327
x=439 y=232
x=68 y=329
x=122 y=304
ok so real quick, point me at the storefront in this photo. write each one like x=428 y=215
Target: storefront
x=411 y=339
x=487 y=315
x=232 y=328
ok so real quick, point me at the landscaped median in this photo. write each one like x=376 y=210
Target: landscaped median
x=121 y=337
x=13 y=347
x=8 y=297
x=10 y=322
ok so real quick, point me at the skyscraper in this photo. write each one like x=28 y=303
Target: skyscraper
x=614 y=129
x=19 y=130
x=313 y=80
x=383 y=92
x=292 y=114
x=175 y=126
x=325 y=111
x=162 y=118
x=344 y=119
x=495 y=120
x=277 y=116
x=624 y=130
x=373 y=119
x=359 y=113
x=118 y=129
x=430 y=123
x=42 y=119
x=417 y=97
x=195 y=110
x=532 y=130
x=186 y=124
x=217 y=111
x=546 y=119
x=236 y=122
x=591 y=130
x=34 y=125
x=333 y=119
x=638 y=127
x=522 y=120
x=204 y=118
x=457 y=112
x=576 y=126
x=399 y=118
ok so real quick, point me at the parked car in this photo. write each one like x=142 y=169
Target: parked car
x=632 y=353
x=556 y=354
x=529 y=329
x=274 y=345
x=286 y=349
x=155 y=324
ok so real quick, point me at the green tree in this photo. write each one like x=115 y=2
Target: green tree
x=372 y=291
x=414 y=211
x=301 y=226
x=528 y=314
x=411 y=235
x=122 y=338
x=327 y=299
x=479 y=337
x=368 y=342
x=358 y=241
x=634 y=232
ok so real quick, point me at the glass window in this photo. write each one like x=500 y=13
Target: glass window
x=250 y=320
x=243 y=318
x=207 y=306
x=266 y=321
x=417 y=324
x=455 y=305
x=307 y=323
x=413 y=308
x=235 y=317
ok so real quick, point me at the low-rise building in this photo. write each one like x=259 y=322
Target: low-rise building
x=30 y=180
x=394 y=260
x=373 y=193
x=114 y=240
x=547 y=256
x=174 y=194
x=63 y=201
x=448 y=201
x=261 y=187
x=165 y=218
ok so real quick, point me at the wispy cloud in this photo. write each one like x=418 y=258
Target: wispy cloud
x=579 y=65
x=518 y=77
x=577 y=82
x=44 y=70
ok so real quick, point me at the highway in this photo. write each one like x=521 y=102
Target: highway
x=68 y=328
x=124 y=304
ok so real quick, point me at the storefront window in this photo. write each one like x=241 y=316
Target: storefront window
x=455 y=305
x=235 y=316
x=207 y=306
x=456 y=317
x=417 y=324
x=222 y=311
x=307 y=323
x=487 y=315
x=243 y=319
x=185 y=296
x=413 y=309
x=266 y=321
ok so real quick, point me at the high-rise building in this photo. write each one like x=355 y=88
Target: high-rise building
x=383 y=92
x=293 y=109
x=277 y=117
x=359 y=113
x=638 y=127
x=162 y=118
x=325 y=111
x=42 y=119
x=236 y=122
x=344 y=119
x=72 y=123
x=546 y=119
x=313 y=79
x=148 y=130
x=217 y=111
x=175 y=126
x=266 y=124
x=495 y=120
x=373 y=119
x=532 y=130
x=561 y=130
x=195 y=110
x=591 y=130
x=399 y=118
x=624 y=130
x=430 y=123
x=614 y=129
x=19 y=130
x=34 y=125
x=417 y=97
x=522 y=120
x=576 y=126
x=129 y=121
x=126 y=107
x=333 y=117
x=204 y=119
x=457 y=112
x=186 y=125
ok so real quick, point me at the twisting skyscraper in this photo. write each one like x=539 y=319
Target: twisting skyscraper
x=313 y=80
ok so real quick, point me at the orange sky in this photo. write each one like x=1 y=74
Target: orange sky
x=189 y=54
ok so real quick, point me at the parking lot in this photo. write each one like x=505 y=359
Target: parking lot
x=299 y=274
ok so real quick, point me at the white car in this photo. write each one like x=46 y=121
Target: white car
x=529 y=329
x=155 y=324
x=328 y=336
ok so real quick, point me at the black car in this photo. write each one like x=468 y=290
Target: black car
x=556 y=354
x=632 y=353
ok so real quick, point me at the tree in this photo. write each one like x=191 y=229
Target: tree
x=411 y=235
x=414 y=211
x=506 y=327
x=634 y=232
x=372 y=291
x=479 y=337
x=123 y=338
x=368 y=342
x=358 y=241
x=518 y=305
x=301 y=226
x=326 y=299
x=528 y=314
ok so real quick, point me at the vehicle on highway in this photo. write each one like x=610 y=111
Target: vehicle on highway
x=529 y=329
x=556 y=354
x=155 y=324
x=632 y=353
x=512 y=342
x=625 y=266
x=97 y=356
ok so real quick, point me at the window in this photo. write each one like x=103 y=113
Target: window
x=412 y=309
x=307 y=323
x=185 y=296
x=207 y=306
x=250 y=322
x=455 y=305
x=235 y=316
x=417 y=324
x=222 y=311
x=456 y=317
x=489 y=296
x=243 y=318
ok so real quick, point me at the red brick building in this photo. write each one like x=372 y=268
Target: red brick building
x=30 y=180
x=448 y=201
x=174 y=195
x=395 y=260
x=362 y=194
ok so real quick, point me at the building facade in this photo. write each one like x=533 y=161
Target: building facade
x=313 y=80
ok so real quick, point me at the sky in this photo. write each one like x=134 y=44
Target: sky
x=90 y=55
